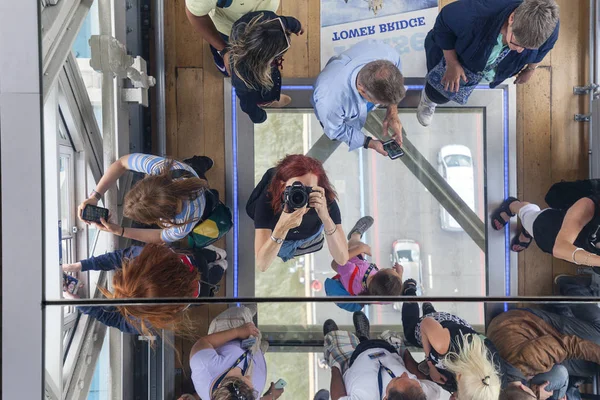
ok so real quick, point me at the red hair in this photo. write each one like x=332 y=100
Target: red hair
x=297 y=165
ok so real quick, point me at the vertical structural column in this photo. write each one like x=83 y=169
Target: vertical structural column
x=109 y=150
x=108 y=118
x=21 y=200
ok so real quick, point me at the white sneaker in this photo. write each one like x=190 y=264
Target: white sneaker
x=425 y=110
x=221 y=263
x=222 y=253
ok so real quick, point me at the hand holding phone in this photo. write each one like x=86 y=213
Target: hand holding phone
x=94 y=213
x=70 y=284
x=393 y=149
x=280 y=384
x=248 y=343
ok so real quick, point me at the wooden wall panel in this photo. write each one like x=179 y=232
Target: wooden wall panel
x=171 y=77
x=190 y=112
x=296 y=59
x=534 y=176
x=569 y=69
x=569 y=160
x=313 y=32
x=214 y=122
x=566 y=156
x=189 y=42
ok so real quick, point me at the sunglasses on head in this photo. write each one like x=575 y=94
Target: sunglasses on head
x=234 y=389
x=285 y=33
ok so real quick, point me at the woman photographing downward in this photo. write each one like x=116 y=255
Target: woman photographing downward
x=295 y=212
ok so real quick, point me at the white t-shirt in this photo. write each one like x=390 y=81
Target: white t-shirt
x=361 y=380
x=224 y=18
x=208 y=364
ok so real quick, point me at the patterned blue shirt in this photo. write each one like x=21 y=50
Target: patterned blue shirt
x=191 y=210
x=336 y=101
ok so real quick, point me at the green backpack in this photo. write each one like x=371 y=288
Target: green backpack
x=215 y=225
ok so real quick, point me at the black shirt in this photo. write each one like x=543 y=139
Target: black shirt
x=265 y=218
x=547 y=225
x=250 y=98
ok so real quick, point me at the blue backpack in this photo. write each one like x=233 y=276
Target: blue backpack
x=334 y=287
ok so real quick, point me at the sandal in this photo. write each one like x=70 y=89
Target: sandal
x=504 y=208
x=516 y=241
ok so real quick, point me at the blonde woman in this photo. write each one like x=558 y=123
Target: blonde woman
x=452 y=363
x=253 y=57
x=472 y=364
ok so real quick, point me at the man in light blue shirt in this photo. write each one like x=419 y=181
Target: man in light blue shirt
x=350 y=86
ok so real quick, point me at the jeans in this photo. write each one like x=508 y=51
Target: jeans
x=410 y=318
x=558 y=381
x=434 y=95
x=585 y=322
x=289 y=247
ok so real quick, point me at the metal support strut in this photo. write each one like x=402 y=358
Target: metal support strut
x=434 y=183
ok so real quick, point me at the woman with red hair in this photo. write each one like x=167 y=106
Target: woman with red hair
x=294 y=210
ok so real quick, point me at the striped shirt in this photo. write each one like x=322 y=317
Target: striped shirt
x=191 y=210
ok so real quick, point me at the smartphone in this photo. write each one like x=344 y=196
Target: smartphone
x=424 y=367
x=70 y=284
x=247 y=343
x=393 y=149
x=280 y=384
x=93 y=213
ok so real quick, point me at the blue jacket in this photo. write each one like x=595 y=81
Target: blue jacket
x=471 y=27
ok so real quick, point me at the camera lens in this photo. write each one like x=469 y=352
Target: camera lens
x=298 y=198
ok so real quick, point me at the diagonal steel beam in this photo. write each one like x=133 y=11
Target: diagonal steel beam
x=435 y=184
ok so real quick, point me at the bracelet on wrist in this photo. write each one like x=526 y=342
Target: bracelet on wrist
x=223 y=52
x=573 y=255
x=331 y=232
x=122 y=232
x=367 y=141
x=95 y=194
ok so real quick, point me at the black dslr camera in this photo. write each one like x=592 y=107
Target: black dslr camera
x=296 y=196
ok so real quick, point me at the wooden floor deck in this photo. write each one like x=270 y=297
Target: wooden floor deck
x=551 y=145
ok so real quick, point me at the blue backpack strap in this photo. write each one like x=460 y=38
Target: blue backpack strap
x=224 y=3
x=333 y=287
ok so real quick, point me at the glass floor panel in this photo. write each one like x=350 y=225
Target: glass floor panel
x=295 y=351
x=446 y=262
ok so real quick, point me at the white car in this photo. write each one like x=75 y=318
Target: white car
x=455 y=164
x=407 y=253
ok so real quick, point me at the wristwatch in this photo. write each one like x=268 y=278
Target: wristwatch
x=276 y=240
x=223 y=52
x=367 y=141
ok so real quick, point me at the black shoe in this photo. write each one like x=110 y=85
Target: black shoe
x=322 y=394
x=410 y=287
x=428 y=308
x=210 y=284
x=361 y=325
x=329 y=326
x=361 y=226
x=200 y=164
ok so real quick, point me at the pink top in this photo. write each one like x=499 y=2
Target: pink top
x=352 y=273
